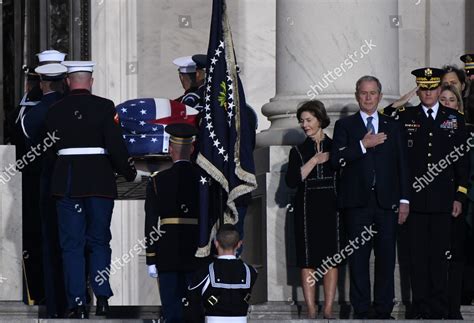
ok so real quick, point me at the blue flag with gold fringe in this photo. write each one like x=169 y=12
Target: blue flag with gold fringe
x=226 y=134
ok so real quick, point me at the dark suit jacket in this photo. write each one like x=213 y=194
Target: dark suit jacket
x=389 y=160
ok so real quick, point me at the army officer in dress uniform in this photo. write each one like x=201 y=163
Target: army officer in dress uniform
x=90 y=150
x=435 y=138
x=172 y=207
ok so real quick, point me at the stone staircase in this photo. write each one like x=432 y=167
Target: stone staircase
x=260 y=313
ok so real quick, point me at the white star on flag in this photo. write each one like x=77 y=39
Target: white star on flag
x=143 y=111
x=203 y=180
x=213 y=60
x=132 y=140
x=124 y=110
x=216 y=143
x=142 y=123
x=221 y=151
x=142 y=136
x=154 y=128
x=221 y=44
x=209 y=126
x=226 y=157
x=212 y=134
x=133 y=104
x=154 y=139
x=218 y=52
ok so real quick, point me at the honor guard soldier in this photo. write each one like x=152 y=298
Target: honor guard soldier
x=52 y=85
x=90 y=151
x=31 y=173
x=172 y=207
x=468 y=60
x=435 y=138
x=221 y=291
x=192 y=76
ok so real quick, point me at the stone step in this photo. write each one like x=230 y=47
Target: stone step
x=260 y=313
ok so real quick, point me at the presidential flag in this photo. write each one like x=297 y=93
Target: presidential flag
x=143 y=122
x=226 y=135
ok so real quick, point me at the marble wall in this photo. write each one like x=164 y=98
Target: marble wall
x=11 y=256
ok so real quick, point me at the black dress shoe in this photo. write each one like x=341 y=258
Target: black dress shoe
x=78 y=312
x=102 y=307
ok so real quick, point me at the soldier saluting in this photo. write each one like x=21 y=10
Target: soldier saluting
x=435 y=138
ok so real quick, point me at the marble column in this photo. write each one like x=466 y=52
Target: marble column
x=11 y=256
x=322 y=48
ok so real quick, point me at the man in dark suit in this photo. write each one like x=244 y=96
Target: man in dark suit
x=369 y=151
x=172 y=210
x=436 y=142
x=90 y=150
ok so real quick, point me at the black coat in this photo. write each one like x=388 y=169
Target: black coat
x=435 y=191
x=173 y=193
x=85 y=120
x=388 y=160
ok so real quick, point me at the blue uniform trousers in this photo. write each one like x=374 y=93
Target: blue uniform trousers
x=173 y=287
x=85 y=223
x=52 y=260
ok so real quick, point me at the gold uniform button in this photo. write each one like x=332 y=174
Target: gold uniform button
x=429 y=165
x=429 y=144
x=429 y=154
x=431 y=134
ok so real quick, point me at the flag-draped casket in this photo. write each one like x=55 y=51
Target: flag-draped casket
x=143 y=122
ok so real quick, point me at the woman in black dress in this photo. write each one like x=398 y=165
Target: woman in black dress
x=316 y=219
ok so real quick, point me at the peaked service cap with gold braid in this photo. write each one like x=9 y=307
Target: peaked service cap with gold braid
x=428 y=78
x=181 y=133
x=468 y=60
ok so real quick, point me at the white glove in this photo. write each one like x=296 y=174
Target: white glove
x=152 y=272
x=140 y=173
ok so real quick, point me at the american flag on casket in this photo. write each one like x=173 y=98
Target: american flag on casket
x=143 y=123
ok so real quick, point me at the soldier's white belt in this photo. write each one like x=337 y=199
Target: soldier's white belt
x=178 y=221
x=82 y=151
x=227 y=319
